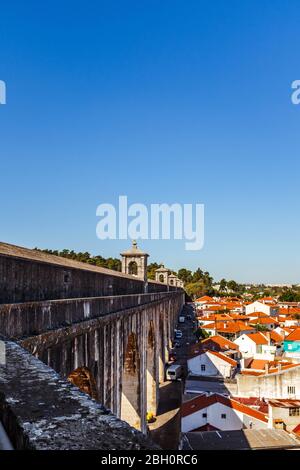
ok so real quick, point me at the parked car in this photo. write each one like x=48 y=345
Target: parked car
x=178 y=334
x=174 y=372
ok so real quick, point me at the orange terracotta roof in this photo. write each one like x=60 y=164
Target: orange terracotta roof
x=258 y=338
x=230 y=361
x=205 y=298
x=258 y=364
x=296 y=430
x=204 y=401
x=212 y=308
x=233 y=327
x=220 y=341
x=267 y=299
x=263 y=321
x=198 y=350
x=284 y=403
x=272 y=370
x=276 y=337
x=209 y=326
x=258 y=314
x=294 y=335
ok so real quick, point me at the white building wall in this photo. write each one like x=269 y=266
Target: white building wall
x=235 y=420
x=213 y=366
x=246 y=345
x=258 y=307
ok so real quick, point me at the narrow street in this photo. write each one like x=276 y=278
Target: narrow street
x=166 y=429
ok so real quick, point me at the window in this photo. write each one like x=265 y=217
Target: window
x=67 y=278
x=204 y=415
x=291 y=389
x=294 y=411
x=203 y=367
x=223 y=415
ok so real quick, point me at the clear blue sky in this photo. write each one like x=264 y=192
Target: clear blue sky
x=165 y=101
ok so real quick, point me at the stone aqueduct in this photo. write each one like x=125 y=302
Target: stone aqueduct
x=90 y=325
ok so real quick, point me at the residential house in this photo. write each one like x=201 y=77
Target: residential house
x=291 y=345
x=284 y=414
x=256 y=345
x=281 y=381
x=215 y=411
x=211 y=364
x=258 y=306
x=221 y=344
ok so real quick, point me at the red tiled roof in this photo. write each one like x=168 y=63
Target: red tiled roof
x=258 y=338
x=233 y=327
x=205 y=298
x=276 y=337
x=209 y=326
x=284 y=403
x=197 y=350
x=272 y=370
x=262 y=405
x=223 y=357
x=224 y=343
x=258 y=315
x=263 y=321
x=296 y=430
x=258 y=364
x=204 y=401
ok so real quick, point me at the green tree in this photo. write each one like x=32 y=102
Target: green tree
x=185 y=275
x=290 y=296
x=232 y=285
x=223 y=285
x=201 y=334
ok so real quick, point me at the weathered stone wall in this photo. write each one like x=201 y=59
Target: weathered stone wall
x=41 y=411
x=271 y=385
x=32 y=318
x=24 y=280
x=107 y=345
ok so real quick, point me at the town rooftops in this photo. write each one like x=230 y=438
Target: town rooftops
x=296 y=430
x=204 y=401
x=257 y=315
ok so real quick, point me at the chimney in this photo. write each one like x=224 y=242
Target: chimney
x=267 y=368
x=279 y=366
x=268 y=336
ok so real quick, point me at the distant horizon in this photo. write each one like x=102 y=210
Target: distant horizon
x=215 y=280
x=164 y=102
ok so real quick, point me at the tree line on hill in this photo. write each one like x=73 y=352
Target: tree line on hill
x=196 y=284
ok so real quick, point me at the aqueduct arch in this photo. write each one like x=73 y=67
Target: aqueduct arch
x=83 y=378
x=130 y=402
x=152 y=380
